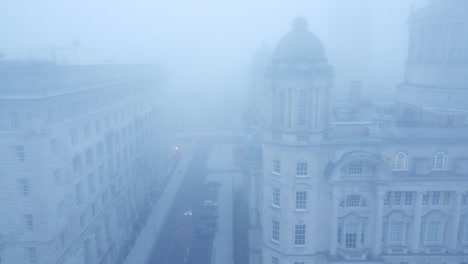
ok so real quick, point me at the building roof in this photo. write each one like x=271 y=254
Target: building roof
x=300 y=44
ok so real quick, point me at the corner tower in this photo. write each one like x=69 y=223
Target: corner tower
x=298 y=80
x=298 y=83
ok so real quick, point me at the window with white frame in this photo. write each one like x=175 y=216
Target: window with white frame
x=351 y=234
x=447 y=198
x=28 y=222
x=301 y=200
x=281 y=107
x=408 y=198
x=276 y=167
x=299 y=235
x=432 y=231
x=275 y=230
x=74 y=136
x=301 y=169
x=395 y=231
x=276 y=197
x=76 y=164
x=353 y=200
x=401 y=162
x=78 y=193
x=440 y=161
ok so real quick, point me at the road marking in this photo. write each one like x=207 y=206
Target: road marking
x=185 y=260
x=167 y=259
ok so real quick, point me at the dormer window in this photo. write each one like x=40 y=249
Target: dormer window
x=440 y=161
x=401 y=161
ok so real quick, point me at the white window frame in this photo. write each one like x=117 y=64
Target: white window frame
x=275 y=231
x=302 y=169
x=29 y=222
x=300 y=235
x=276 y=197
x=301 y=200
x=401 y=161
x=440 y=161
x=276 y=167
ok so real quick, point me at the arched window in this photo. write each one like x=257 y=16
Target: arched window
x=401 y=161
x=440 y=161
x=433 y=227
x=352 y=231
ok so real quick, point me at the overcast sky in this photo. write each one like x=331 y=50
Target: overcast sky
x=210 y=42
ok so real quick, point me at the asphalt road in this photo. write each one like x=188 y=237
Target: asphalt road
x=178 y=244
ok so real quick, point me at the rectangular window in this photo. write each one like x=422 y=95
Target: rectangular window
x=105 y=198
x=83 y=220
x=397 y=198
x=78 y=194
x=23 y=187
x=435 y=198
x=77 y=164
x=353 y=200
x=355 y=168
x=14 y=121
x=301 y=200
x=28 y=222
x=97 y=125
x=299 y=235
x=387 y=198
x=351 y=235
x=94 y=208
x=74 y=137
x=89 y=157
x=425 y=198
x=301 y=169
x=276 y=197
x=408 y=198
x=87 y=131
x=276 y=167
x=432 y=233
x=395 y=233
x=275 y=231
x=91 y=185
x=31 y=255
x=447 y=197
x=20 y=156
x=100 y=150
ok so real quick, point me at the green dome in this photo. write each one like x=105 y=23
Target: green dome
x=300 y=44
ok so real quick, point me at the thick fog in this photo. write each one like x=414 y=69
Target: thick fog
x=207 y=45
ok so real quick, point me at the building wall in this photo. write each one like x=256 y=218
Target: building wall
x=82 y=164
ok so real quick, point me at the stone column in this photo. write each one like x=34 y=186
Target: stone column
x=455 y=222
x=334 y=225
x=416 y=232
x=378 y=221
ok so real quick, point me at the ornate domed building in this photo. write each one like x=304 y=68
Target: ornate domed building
x=339 y=192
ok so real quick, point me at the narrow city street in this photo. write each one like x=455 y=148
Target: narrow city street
x=205 y=202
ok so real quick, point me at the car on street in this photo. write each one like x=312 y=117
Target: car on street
x=188 y=212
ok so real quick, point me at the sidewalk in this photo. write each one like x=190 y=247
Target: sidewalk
x=149 y=233
x=222 y=158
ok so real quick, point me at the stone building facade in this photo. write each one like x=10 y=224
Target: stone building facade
x=81 y=150
x=353 y=191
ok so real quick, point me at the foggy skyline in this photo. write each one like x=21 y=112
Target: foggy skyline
x=210 y=42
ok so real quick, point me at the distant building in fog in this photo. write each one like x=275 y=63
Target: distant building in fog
x=336 y=188
x=80 y=152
